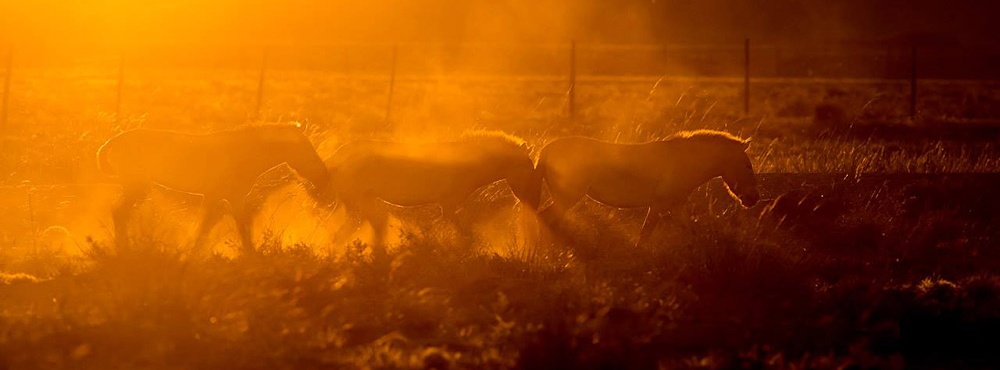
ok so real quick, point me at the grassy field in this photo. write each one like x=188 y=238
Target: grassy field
x=875 y=247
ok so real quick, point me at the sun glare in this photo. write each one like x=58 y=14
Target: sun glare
x=499 y=184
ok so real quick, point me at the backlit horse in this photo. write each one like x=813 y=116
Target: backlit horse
x=220 y=166
x=365 y=174
x=659 y=175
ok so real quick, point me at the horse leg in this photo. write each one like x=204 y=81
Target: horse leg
x=243 y=214
x=213 y=212
x=553 y=216
x=562 y=201
x=133 y=195
x=366 y=211
x=352 y=220
x=528 y=226
x=348 y=228
x=450 y=217
x=379 y=219
x=653 y=218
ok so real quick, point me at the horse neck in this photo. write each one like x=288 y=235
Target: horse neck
x=703 y=162
x=519 y=171
x=300 y=157
x=309 y=165
x=512 y=160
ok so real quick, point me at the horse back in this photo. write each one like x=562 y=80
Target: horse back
x=597 y=155
x=623 y=175
x=217 y=163
x=411 y=174
x=448 y=154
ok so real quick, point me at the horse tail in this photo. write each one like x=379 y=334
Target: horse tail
x=539 y=174
x=103 y=163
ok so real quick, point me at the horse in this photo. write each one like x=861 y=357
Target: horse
x=220 y=166
x=365 y=175
x=658 y=175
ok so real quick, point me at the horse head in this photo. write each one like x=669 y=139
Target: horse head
x=510 y=159
x=522 y=178
x=738 y=174
x=301 y=156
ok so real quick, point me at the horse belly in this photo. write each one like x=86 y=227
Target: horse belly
x=408 y=185
x=407 y=194
x=197 y=177
x=622 y=194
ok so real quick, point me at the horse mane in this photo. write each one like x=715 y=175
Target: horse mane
x=707 y=135
x=272 y=132
x=492 y=136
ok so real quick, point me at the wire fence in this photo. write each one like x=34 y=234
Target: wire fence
x=571 y=62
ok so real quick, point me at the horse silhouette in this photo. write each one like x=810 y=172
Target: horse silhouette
x=659 y=175
x=366 y=174
x=221 y=166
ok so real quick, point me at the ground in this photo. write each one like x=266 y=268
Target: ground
x=874 y=247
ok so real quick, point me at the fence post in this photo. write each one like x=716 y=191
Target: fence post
x=260 y=82
x=392 y=85
x=777 y=60
x=746 y=76
x=572 y=80
x=118 y=88
x=346 y=54
x=666 y=60
x=888 y=63
x=6 y=87
x=913 y=82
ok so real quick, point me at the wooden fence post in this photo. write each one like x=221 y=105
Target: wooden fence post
x=118 y=88
x=666 y=61
x=913 y=82
x=572 y=80
x=260 y=82
x=888 y=63
x=777 y=60
x=392 y=85
x=746 y=76
x=6 y=87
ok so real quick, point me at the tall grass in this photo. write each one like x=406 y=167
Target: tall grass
x=830 y=276
x=59 y=106
x=721 y=287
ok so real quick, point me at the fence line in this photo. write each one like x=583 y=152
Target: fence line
x=6 y=87
x=572 y=80
x=746 y=77
x=118 y=88
x=392 y=87
x=913 y=83
x=695 y=60
x=579 y=61
x=260 y=83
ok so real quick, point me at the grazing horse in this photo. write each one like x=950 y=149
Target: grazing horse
x=659 y=175
x=364 y=174
x=220 y=166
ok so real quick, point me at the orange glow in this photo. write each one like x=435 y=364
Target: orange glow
x=499 y=184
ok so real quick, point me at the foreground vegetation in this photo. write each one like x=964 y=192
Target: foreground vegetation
x=826 y=278
x=862 y=255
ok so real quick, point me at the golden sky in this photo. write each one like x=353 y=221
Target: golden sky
x=618 y=21
x=263 y=20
